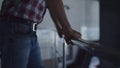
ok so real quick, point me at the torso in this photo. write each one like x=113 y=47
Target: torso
x=27 y=9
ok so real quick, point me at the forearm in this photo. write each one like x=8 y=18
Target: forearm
x=56 y=9
x=57 y=25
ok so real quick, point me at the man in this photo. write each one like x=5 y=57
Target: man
x=18 y=22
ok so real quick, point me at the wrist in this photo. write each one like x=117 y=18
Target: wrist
x=67 y=28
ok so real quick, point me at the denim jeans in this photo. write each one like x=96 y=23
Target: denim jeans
x=19 y=46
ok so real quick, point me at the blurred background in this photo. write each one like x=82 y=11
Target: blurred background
x=93 y=19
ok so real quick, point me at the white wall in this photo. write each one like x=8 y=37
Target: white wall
x=90 y=29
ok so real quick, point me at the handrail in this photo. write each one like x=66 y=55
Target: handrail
x=98 y=50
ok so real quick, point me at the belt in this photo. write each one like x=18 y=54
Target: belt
x=20 y=20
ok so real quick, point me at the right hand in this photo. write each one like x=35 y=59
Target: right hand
x=69 y=35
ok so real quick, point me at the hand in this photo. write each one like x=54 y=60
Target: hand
x=71 y=34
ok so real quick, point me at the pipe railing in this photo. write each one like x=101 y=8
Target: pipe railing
x=99 y=50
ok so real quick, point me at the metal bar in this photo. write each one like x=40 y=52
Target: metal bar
x=99 y=50
x=64 y=53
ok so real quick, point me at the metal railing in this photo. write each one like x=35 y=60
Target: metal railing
x=98 y=50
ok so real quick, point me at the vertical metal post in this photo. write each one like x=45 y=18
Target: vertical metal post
x=56 y=58
x=64 y=52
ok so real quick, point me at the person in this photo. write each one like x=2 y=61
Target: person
x=18 y=23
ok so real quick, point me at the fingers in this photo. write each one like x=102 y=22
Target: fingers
x=60 y=32
x=73 y=35
x=76 y=34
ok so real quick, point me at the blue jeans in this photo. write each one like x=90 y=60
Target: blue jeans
x=19 y=46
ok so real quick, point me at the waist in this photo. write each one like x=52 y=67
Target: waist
x=14 y=19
